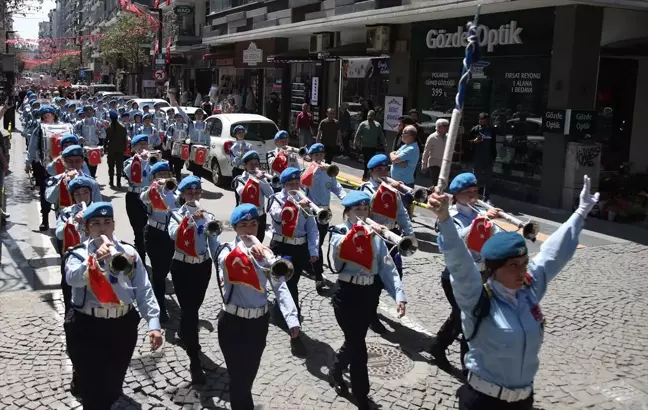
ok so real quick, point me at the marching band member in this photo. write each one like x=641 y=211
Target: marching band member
x=91 y=131
x=252 y=188
x=101 y=113
x=112 y=106
x=137 y=121
x=101 y=328
x=503 y=317
x=295 y=235
x=146 y=109
x=319 y=186
x=137 y=171
x=279 y=159
x=159 y=200
x=177 y=132
x=191 y=268
x=387 y=209
x=70 y=115
x=237 y=151
x=126 y=122
x=57 y=166
x=197 y=132
x=243 y=321
x=149 y=129
x=360 y=258
x=134 y=110
x=159 y=117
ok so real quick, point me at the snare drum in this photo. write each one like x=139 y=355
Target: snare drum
x=53 y=146
x=93 y=155
x=176 y=149
x=185 y=152
x=198 y=154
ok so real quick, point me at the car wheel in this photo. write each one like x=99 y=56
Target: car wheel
x=217 y=176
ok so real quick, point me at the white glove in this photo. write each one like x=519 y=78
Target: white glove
x=587 y=201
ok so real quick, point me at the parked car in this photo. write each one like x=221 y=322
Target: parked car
x=428 y=120
x=150 y=101
x=190 y=111
x=109 y=95
x=96 y=88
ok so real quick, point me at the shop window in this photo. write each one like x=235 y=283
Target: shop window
x=364 y=87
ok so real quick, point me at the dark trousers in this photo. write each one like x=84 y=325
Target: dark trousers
x=65 y=288
x=261 y=229
x=137 y=215
x=177 y=164
x=93 y=169
x=318 y=267
x=159 y=247
x=367 y=153
x=236 y=172
x=300 y=258
x=470 y=399
x=115 y=163
x=100 y=351
x=434 y=172
x=354 y=307
x=242 y=342
x=451 y=328
x=40 y=176
x=329 y=152
x=346 y=142
x=484 y=174
x=190 y=282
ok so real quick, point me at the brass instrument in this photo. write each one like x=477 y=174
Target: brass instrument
x=419 y=194
x=407 y=245
x=332 y=170
x=302 y=152
x=117 y=262
x=213 y=227
x=170 y=184
x=530 y=229
x=322 y=215
x=273 y=180
x=152 y=156
x=279 y=267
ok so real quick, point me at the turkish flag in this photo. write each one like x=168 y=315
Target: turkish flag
x=308 y=175
x=289 y=219
x=100 y=285
x=71 y=236
x=385 y=202
x=186 y=150
x=64 y=197
x=239 y=269
x=357 y=247
x=56 y=146
x=201 y=156
x=59 y=166
x=127 y=151
x=136 y=170
x=94 y=157
x=280 y=163
x=186 y=238
x=251 y=193
x=480 y=230
x=157 y=203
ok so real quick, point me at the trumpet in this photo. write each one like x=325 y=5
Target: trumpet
x=530 y=229
x=272 y=179
x=322 y=215
x=170 y=184
x=117 y=262
x=279 y=267
x=153 y=156
x=302 y=152
x=407 y=245
x=213 y=227
x=332 y=170
x=419 y=194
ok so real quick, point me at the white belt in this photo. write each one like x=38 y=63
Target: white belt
x=290 y=241
x=179 y=256
x=498 y=392
x=136 y=189
x=157 y=225
x=106 y=312
x=246 y=313
x=357 y=280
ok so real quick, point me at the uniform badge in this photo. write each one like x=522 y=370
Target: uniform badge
x=521 y=251
x=104 y=212
x=329 y=185
x=193 y=186
x=247 y=217
x=51 y=182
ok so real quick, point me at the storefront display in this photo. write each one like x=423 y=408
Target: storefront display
x=302 y=75
x=365 y=83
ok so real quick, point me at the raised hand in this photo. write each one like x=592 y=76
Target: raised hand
x=587 y=200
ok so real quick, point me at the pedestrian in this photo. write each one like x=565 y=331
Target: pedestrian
x=243 y=321
x=328 y=134
x=346 y=130
x=369 y=139
x=250 y=101
x=294 y=235
x=403 y=122
x=485 y=151
x=420 y=132
x=252 y=187
x=434 y=149
x=359 y=261
x=191 y=267
x=101 y=328
x=502 y=318
x=236 y=153
x=115 y=145
x=404 y=163
x=304 y=126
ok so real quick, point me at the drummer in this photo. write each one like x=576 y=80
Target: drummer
x=253 y=188
x=237 y=151
x=159 y=117
x=197 y=132
x=176 y=133
x=58 y=165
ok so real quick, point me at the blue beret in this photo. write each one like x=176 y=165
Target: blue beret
x=243 y=212
x=88 y=108
x=148 y=116
x=146 y=106
x=462 y=181
x=113 y=115
x=57 y=99
x=281 y=135
x=47 y=109
x=191 y=182
x=34 y=104
x=72 y=151
x=249 y=156
x=67 y=105
x=30 y=93
x=63 y=99
x=238 y=128
x=80 y=182
x=316 y=149
x=71 y=104
x=504 y=245
x=99 y=101
x=112 y=102
x=98 y=209
x=139 y=138
x=289 y=174
x=157 y=104
x=124 y=114
x=378 y=160
x=160 y=166
x=355 y=198
x=69 y=139
x=137 y=114
x=79 y=111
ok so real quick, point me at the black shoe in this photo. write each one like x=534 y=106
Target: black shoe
x=378 y=327
x=319 y=286
x=297 y=347
x=364 y=404
x=336 y=381
x=44 y=226
x=119 y=183
x=197 y=374
x=439 y=353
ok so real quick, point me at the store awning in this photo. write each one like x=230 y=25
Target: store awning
x=295 y=56
x=355 y=50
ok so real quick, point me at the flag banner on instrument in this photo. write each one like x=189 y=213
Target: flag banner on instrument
x=385 y=202
x=157 y=203
x=94 y=156
x=186 y=238
x=357 y=248
x=71 y=236
x=99 y=284
x=136 y=170
x=64 y=197
x=480 y=230
x=59 y=166
x=280 y=163
x=56 y=148
x=308 y=175
x=127 y=151
x=289 y=219
x=185 y=152
x=239 y=269
x=251 y=193
x=201 y=156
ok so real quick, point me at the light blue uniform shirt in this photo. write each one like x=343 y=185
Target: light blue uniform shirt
x=146 y=172
x=133 y=112
x=52 y=190
x=32 y=150
x=382 y=265
x=152 y=132
x=177 y=132
x=170 y=198
x=306 y=226
x=249 y=298
x=292 y=158
x=197 y=129
x=101 y=113
x=402 y=217
x=160 y=120
x=323 y=185
x=505 y=349
x=50 y=168
x=204 y=243
x=69 y=117
x=75 y=275
x=91 y=130
x=266 y=190
x=409 y=153
x=62 y=218
x=239 y=148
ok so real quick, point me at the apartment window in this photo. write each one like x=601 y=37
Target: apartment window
x=219 y=5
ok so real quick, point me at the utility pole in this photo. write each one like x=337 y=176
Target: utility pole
x=159 y=38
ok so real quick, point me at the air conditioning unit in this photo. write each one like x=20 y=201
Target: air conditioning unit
x=320 y=42
x=378 y=39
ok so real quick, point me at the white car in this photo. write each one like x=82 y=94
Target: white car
x=190 y=111
x=150 y=101
x=260 y=132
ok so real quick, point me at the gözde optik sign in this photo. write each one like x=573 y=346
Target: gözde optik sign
x=506 y=34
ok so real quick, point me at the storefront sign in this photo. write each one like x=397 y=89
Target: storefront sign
x=523 y=83
x=554 y=121
x=315 y=91
x=182 y=10
x=366 y=67
x=252 y=55
x=581 y=122
x=507 y=34
x=393 y=111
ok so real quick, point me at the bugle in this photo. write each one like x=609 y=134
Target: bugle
x=322 y=215
x=152 y=156
x=302 y=152
x=332 y=170
x=407 y=245
x=273 y=180
x=278 y=267
x=530 y=229
x=78 y=225
x=213 y=227
x=419 y=194
x=170 y=184
x=117 y=262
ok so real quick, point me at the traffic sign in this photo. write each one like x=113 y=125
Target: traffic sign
x=160 y=75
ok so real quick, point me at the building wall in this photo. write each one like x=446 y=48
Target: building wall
x=639 y=139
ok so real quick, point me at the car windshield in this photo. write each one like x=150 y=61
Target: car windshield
x=257 y=130
x=163 y=104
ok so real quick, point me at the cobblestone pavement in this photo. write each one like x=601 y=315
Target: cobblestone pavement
x=594 y=354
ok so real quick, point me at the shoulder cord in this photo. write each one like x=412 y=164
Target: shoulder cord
x=220 y=289
x=328 y=257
